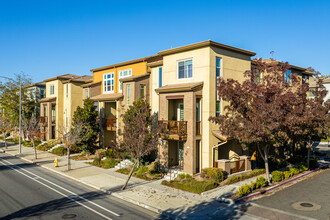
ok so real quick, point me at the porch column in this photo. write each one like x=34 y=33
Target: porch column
x=190 y=145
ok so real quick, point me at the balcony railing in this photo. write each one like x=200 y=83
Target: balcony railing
x=198 y=128
x=43 y=120
x=111 y=124
x=173 y=128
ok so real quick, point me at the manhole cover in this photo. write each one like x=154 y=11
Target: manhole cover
x=69 y=216
x=306 y=204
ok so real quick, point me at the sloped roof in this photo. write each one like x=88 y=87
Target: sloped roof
x=108 y=97
x=61 y=77
x=91 y=84
x=81 y=79
x=133 y=78
x=51 y=99
x=183 y=87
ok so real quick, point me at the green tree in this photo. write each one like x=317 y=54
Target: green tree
x=140 y=133
x=9 y=98
x=88 y=116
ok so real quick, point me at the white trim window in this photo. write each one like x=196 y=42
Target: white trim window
x=108 y=82
x=123 y=74
x=51 y=89
x=185 y=69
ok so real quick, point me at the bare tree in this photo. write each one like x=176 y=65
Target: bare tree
x=6 y=127
x=140 y=133
x=32 y=129
x=71 y=136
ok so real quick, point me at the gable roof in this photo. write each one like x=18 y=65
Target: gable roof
x=61 y=77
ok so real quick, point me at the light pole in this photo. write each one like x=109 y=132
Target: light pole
x=20 y=112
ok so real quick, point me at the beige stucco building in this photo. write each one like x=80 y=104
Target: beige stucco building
x=63 y=96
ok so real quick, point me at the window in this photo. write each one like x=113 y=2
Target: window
x=288 y=76
x=128 y=94
x=304 y=79
x=218 y=108
x=52 y=89
x=108 y=82
x=218 y=66
x=143 y=92
x=42 y=93
x=160 y=77
x=53 y=114
x=66 y=90
x=123 y=74
x=258 y=75
x=86 y=93
x=185 y=69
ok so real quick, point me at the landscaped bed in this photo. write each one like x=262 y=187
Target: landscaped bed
x=106 y=163
x=210 y=179
x=148 y=172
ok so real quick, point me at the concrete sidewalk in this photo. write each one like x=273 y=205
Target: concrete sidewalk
x=148 y=194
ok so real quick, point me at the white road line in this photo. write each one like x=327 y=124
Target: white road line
x=107 y=210
x=100 y=214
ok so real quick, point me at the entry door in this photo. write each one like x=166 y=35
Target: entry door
x=180 y=112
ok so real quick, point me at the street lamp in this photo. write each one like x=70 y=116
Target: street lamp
x=20 y=112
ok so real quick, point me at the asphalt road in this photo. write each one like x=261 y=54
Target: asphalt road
x=315 y=191
x=31 y=192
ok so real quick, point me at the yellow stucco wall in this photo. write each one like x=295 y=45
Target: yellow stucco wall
x=137 y=69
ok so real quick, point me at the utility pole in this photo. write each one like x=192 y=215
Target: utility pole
x=20 y=117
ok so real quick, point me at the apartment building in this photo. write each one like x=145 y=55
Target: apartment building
x=63 y=96
x=118 y=85
x=35 y=92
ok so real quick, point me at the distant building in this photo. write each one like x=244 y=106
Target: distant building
x=36 y=91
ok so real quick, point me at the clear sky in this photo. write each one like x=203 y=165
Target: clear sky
x=46 y=38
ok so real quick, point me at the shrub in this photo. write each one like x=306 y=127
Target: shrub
x=261 y=182
x=288 y=174
x=235 y=179
x=43 y=147
x=244 y=190
x=60 y=151
x=96 y=162
x=109 y=153
x=277 y=176
x=109 y=163
x=212 y=174
x=313 y=163
x=100 y=153
x=257 y=172
x=53 y=142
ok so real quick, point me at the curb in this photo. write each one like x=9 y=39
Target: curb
x=242 y=199
x=156 y=210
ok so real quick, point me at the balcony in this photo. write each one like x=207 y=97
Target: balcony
x=110 y=124
x=43 y=120
x=175 y=130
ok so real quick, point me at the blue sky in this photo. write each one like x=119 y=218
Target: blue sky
x=49 y=38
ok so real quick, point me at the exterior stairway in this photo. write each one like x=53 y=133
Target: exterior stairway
x=172 y=174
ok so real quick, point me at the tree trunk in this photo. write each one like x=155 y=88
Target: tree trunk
x=267 y=168
x=34 y=148
x=5 y=138
x=308 y=153
x=264 y=156
x=69 y=163
x=129 y=176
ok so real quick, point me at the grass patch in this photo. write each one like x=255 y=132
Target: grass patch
x=106 y=163
x=189 y=184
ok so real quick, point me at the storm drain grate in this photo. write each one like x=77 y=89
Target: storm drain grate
x=69 y=216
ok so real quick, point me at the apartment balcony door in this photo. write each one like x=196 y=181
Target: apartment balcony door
x=180 y=114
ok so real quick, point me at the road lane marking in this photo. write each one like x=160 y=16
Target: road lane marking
x=68 y=197
x=80 y=197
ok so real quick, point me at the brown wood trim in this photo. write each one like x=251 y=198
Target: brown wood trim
x=199 y=96
x=174 y=96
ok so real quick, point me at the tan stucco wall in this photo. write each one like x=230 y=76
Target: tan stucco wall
x=154 y=83
x=233 y=65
